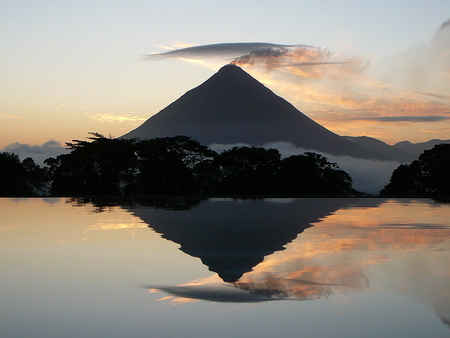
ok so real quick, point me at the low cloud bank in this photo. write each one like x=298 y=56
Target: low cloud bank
x=38 y=153
x=369 y=176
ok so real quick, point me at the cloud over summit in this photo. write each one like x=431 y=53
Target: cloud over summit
x=219 y=50
x=334 y=88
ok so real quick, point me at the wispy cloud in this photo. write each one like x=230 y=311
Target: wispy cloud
x=11 y=116
x=427 y=118
x=111 y=118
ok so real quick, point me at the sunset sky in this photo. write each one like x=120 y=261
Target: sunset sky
x=373 y=68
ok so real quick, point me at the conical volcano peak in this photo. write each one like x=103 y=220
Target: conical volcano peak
x=232 y=75
x=230 y=68
x=232 y=107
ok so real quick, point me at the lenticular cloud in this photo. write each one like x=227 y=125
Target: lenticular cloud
x=220 y=50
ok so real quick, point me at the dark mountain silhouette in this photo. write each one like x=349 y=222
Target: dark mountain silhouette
x=232 y=107
x=232 y=237
x=396 y=153
x=418 y=148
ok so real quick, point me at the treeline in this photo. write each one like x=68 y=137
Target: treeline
x=19 y=178
x=171 y=166
x=427 y=176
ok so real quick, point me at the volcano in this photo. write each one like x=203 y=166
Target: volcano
x=233 y=107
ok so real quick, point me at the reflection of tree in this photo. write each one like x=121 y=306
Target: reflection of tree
x=101 y=204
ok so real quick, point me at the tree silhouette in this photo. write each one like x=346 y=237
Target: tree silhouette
x=427 y=176
x=104 y=166
x=182 y=166
x=247 y=170
x=167 y=165
x=20 y=178
x=12 y=175
x=36 y=177
x=311 y=174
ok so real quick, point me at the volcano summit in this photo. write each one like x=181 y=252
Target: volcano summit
x=233 y=107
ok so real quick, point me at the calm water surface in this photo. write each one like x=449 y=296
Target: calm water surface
x=221 y=268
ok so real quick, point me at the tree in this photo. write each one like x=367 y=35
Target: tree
x=104 y=166
x=161 y=171
x=37 y=178
x=12 y=175
x=20 y=178
x=182 y=166
x=247 y=170
x=169 y=165
x=311 y=174
x=427 y=176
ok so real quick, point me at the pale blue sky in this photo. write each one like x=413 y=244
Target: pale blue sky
x=70 y=67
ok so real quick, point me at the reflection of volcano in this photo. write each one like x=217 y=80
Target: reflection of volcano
x=232 y=237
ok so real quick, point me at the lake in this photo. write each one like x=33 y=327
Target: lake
x=188 y=267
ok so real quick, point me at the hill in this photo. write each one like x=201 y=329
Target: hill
x=397 y=153
x=418 y=148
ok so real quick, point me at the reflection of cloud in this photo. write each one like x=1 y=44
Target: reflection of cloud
x=403 y=244
x=214 y=293
x=114 y=225
x=268 y=289
x=249 y=291
x=211 y=289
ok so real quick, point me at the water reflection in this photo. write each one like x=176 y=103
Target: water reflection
x=233 y=237
x=369 y=267
x=305 y=249
x=269 y=289
x=312 y=249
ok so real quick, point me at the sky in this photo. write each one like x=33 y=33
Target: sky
x=359 y=68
